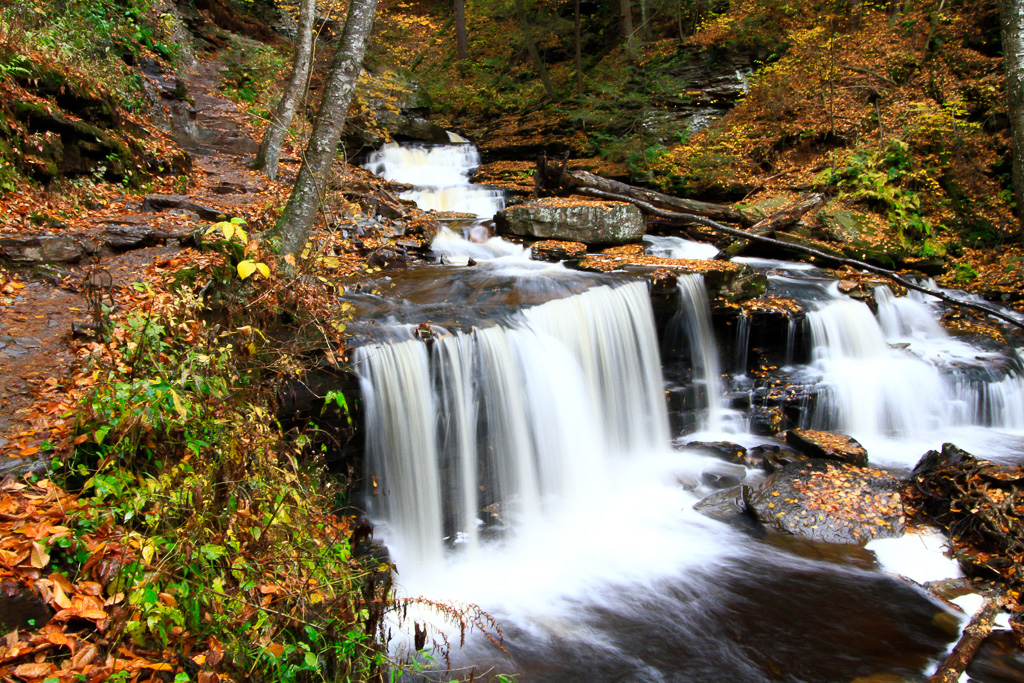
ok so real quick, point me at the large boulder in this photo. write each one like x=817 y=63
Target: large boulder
x=826 y=501
x=590 y=222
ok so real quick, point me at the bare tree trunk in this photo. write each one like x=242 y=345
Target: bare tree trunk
x=297 y=219
x=645 y=19
x=626 y=10
x=579 y=48
x=270 y=148
x=460 y=29
x=1011 y=14
x=531 y=47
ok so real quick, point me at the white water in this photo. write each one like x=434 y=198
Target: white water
x=525 y=467
x=899 y=381
x=540 y=408
x=440 y=176
x=695 y=319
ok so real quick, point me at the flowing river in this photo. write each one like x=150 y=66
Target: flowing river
x=525 y=459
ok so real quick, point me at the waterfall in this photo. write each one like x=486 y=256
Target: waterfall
x=439 y=176
x=516 y=419
x=901 y=373
x=694 y=321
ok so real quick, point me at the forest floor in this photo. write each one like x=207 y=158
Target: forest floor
x=38 y=348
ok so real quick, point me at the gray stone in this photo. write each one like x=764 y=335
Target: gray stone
x=593 y=223
x=30 y=250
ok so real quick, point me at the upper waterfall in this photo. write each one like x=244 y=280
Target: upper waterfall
x=440 y=177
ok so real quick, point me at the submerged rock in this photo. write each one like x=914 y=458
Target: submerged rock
x=723 y=450
x=723 y=475
x=725 y=506
x=831 y=502
x=589 y=222
x=828 y=446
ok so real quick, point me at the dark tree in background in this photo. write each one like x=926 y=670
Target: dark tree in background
x=460 y=29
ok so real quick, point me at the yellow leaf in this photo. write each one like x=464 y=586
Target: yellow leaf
x=332 y=262
x=147 y=553
x=177 y=405
x=263 y=269
x=246 y=268
x=241 y=234
x=228 y=230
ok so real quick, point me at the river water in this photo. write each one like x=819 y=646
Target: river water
x=523 y=459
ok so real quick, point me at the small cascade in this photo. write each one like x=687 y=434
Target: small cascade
x=679 y=248
x=516 y=419
x=901 y=374
x=742 y=343
x=694 y=323
x=439 y=175
x=871 y=388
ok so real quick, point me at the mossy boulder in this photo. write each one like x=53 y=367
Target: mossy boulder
x=590 y=222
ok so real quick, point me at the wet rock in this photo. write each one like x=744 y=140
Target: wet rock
x=933 y=461
x=723 y=475
x=999 y=659
x=386 y=258
x=21 y=607
x=125 y=237
x=767 y=420
x=554 y=251
x=32 y=250
x=155 y=203
x=723 y=450
x=828 y=446
x=20 y=467
x=687 y=482
x=771 y=458
x=589 y=222
x=725 y=506
x=832 y=502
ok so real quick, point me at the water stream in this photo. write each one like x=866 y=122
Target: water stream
x=523 y=461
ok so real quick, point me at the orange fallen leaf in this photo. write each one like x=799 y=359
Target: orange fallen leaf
x=34 y=670
x=39 y=557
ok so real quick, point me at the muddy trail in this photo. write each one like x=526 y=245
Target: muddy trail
x=68 y=277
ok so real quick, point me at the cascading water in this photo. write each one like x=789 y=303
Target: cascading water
x=521 y=460
x=694 y=320
x=899 y=375
x=515 y=416
x=439 y=175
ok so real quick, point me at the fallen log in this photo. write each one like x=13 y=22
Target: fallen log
x=779 y=220
x=810 y=251
x=977 y=630
x=553 y=177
